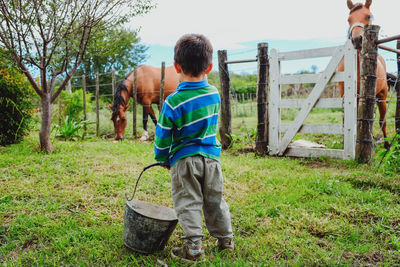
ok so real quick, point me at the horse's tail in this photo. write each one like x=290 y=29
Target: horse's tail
x=391 y=79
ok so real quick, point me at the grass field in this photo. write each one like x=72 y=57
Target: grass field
x=67 y=208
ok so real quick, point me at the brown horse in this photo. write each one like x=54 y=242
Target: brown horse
x=359 y=16
x=148 y=92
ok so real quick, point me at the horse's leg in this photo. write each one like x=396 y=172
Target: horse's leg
x=145 y=134
x=382 y=121
x=152 y=115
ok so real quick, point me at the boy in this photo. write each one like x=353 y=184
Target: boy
x=186 y=138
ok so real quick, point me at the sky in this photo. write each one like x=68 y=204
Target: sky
x=237 y=26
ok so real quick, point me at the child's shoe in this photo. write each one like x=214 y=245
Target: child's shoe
x=187 y=255
x=226 y=243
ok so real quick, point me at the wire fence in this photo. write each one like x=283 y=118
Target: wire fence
x=244 y=106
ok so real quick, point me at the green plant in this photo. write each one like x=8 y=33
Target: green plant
x=390 y=159
x=16 y=105
x=240 y=141
x=73 y=104
x=69 y=129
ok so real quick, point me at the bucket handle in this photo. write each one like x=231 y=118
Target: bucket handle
x=160 y=163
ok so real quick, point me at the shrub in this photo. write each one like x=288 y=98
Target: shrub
x=73 y=104
x=390 y=159
x=16 y=105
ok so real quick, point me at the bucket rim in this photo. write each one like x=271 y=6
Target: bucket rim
x=146 y=216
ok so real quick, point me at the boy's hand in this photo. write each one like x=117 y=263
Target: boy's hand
x=166 y=167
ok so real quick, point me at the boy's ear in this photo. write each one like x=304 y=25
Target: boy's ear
x=177 y=67
x=209 y=68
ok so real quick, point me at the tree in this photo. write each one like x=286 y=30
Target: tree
x=50 y=37
x=113 y=49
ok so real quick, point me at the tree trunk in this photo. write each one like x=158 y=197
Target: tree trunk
x=44 y=134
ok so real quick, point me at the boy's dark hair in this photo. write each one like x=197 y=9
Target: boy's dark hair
x=193 y=52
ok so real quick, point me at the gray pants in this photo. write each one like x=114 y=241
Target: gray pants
x=196 y=187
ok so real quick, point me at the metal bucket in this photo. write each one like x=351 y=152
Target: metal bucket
x=147 y=227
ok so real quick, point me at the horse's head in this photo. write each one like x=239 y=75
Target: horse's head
x=119 y=113
x=358 y=18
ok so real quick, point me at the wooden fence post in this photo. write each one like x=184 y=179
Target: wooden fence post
x=134 y=106
x=84 y=102
x=97 y=106
x=397 y=116
x=368 y=63
x=262 y=85
x=225 y=128
x=236 y=101
x=162 y=85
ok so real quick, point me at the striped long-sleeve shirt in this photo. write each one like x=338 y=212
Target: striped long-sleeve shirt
x=188 y=123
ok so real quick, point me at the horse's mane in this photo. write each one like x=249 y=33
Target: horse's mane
x=118 y=99
x=356 y=7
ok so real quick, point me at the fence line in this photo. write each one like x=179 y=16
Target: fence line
x=241 y=110
x=240 y=104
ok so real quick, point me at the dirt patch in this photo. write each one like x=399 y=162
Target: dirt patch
x=242 y=151
x=395 y=223
x=365 y=184
x=366 y=258
x=29 y=244
x=279 y=255
x=363 y=217
x=322 y=244
x=3 y=234
x=317 y=232
x=322 y=164
x=7 y=219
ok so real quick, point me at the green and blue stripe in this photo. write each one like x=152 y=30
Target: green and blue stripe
x=188 y=123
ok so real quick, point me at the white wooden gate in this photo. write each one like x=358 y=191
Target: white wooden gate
x=278 y=144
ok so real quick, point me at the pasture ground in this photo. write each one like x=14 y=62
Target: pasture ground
x=67 y=208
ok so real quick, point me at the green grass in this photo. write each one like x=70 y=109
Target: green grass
x=67 y=208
